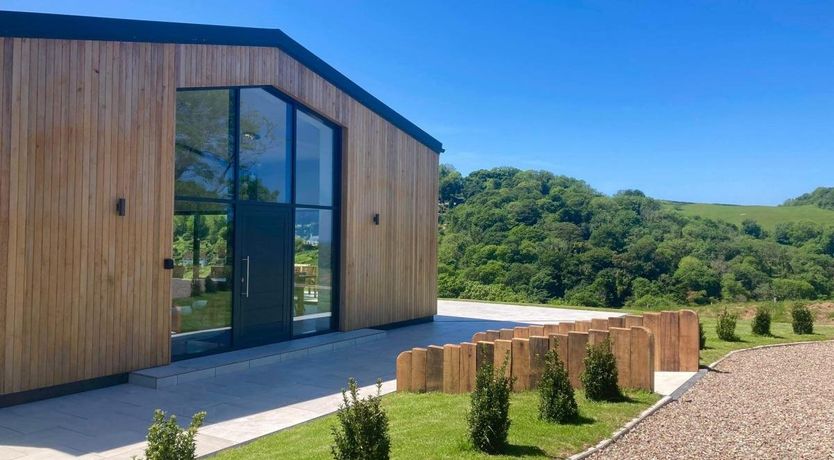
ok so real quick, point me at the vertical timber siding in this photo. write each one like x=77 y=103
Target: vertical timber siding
x=82 y=291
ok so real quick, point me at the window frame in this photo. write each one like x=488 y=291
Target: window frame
x=335 y=207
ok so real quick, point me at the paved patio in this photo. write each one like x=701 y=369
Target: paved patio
x=112 y=422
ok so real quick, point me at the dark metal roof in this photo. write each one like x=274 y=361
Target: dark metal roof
x=59 y=26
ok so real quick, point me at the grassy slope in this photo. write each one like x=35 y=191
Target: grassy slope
x=433 y=425
x=766 y=216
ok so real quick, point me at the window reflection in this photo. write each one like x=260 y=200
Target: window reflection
x=201 y=310
x=264 y=146
x=204 y=144
x=314 y=161
x=312 y=291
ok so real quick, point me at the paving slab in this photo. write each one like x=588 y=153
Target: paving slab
x=244 y=404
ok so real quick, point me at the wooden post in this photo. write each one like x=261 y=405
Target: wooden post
x=550 y=329
x=596 y=336
x=642 y=358
x=538 y=349
x=632 y=320
x=564 y=328
x=404 y=371
x=451 y=368
x=434 y=368
x=600 y=324
x=651 y=321
x=521 y=364
x=485 y=354
x=506 y=334
x=582 y=326
x=521 y=332
x=418 y=369
x=536 y=330
x=616 y=321
x=503 y=351
x=669 y=343
x=621 y=346
x=577 y=344
x=491 y=335
x=689 y=341
x=468 y=366
x=559 y=342
x=479 y=337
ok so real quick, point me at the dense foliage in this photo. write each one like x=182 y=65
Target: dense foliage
x=168 y=441
x=599 y=379
x=802 y=320
x=761 y=322
x=489 y=413
x=822 y=197
x=556 y=399
x=512 y=235
x=362 y=433
x=725 y=327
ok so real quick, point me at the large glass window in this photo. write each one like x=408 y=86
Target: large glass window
x=313 y=287
x=314 y=161
x=201 y=314
x=265 y=146
x=204 y=144
x=235 y=146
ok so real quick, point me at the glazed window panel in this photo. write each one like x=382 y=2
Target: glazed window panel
x=204 y=146
x=201 y=310
x=265 y=146
x=313 y=294
x=314 y=161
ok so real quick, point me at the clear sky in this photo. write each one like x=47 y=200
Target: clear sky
x=709 y=101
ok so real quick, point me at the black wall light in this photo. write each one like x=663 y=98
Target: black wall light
x=376 y=219
x=121 y=206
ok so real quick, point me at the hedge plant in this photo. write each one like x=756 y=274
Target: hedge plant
x=761 y=322
x=362 y=432
x=803 y=320
x=600 y=375
x=556 y=399
x=489 y=413
x=725 y=328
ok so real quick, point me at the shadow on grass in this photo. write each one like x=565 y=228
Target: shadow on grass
x=580 y=420
x=523 y=451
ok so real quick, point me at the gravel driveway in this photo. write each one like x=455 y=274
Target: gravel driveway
x=766 y=403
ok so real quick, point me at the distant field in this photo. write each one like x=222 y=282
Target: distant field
x=766 y=216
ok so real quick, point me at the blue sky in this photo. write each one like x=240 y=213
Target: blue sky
x=709 y=101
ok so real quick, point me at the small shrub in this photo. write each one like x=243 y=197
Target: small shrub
x=167 y=441
x=489 y=413
x=210 y=285
x=702 y=338
x=363 y=426
x=600 y=376
x=803 y=320
x=726 y=326
x=556 y=400
x=761 y=322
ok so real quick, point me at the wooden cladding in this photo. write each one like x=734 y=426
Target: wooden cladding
x=82 y=290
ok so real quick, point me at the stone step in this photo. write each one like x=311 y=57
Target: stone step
x=205 y=367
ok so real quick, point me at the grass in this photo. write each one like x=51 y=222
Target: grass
x=781 y=329
x=766 y=216
x=433 y=426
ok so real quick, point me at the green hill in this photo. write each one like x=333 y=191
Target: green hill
x=766 y=216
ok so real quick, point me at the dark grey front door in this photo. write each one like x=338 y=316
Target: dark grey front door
x=264 y=242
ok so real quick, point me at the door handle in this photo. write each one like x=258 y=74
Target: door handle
x=246 y=291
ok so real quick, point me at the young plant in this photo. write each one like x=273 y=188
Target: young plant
x=362 y=432
x=167 y=441
x=803 y=320
x=761 y=322
x=556 y=399
x=489 y=413
x=702 y=337
x=600 y=376
x=726 y=326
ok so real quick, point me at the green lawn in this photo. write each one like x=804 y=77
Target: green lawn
x=432 y=425
x=766 y=216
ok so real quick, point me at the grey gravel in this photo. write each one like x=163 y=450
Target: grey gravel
x=761 y=404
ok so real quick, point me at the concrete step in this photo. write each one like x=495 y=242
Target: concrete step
x=240 y=360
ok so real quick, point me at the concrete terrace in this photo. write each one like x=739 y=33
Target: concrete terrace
x=247 y=404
